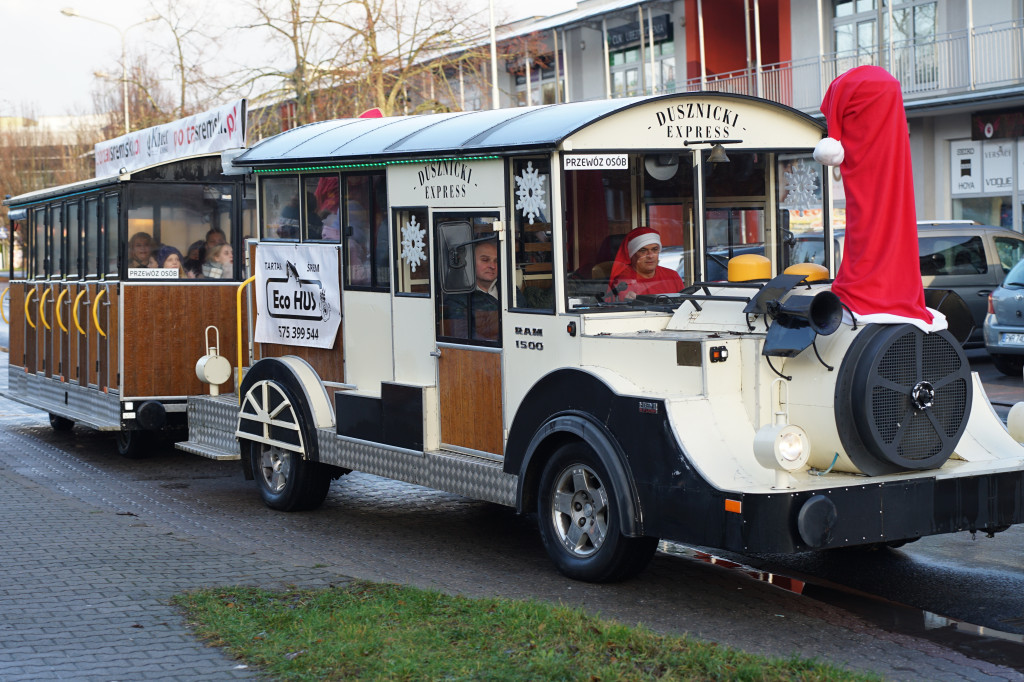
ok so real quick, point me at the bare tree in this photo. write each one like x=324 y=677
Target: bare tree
x=149 y=103
x=193 y=46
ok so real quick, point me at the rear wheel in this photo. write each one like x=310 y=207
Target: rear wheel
x=287 y=481
x=1010 y=365
x=132 y=443
x=579 y=519
x=58 y=423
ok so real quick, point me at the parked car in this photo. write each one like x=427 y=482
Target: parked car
x=1004 y=323
x=959 y=255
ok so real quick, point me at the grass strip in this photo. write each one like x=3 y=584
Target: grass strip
x=371 y=631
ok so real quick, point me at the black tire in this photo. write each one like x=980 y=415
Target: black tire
x=61 y=424
x=287 y=481
x=133 y=444
x=1010 y=365
x=577 y=492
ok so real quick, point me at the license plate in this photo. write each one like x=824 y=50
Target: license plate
x=1013 y=339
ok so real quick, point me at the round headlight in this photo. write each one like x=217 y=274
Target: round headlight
x=782 y=447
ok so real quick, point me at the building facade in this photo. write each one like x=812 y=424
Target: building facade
x=960 y=63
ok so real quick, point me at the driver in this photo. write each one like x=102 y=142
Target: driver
x=636 y=270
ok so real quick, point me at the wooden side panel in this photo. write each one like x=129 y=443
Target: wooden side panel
x=165 y=334
x=113 y=339
x=72 y=336
x=470 y=392
x=16 y=335
x=84 y=341
x=328 y=362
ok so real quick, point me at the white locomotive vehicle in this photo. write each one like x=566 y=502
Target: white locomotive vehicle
x=435 y=301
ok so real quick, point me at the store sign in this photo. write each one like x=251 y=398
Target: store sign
x=965 y=157
x=298 y=294
x=988 y=125
x=630 y=34
x=211 y=131
x=997 y=166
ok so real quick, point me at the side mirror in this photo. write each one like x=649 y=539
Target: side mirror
x=455 y=256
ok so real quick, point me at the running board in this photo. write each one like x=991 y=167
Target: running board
x=211 y=427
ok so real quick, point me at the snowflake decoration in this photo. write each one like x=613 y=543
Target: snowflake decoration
x=530 y=191
x=801 y=184
x=412 y=243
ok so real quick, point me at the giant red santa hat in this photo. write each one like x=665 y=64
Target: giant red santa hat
x=880 y=275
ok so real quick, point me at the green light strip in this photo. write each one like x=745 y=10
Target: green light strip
x=341 y=166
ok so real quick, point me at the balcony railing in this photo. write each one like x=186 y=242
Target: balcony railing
x=949 y=64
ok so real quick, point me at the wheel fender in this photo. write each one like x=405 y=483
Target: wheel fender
x=299 y=377
x=582 y=427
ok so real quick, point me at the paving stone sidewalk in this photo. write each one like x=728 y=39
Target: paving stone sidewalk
x=86 y=592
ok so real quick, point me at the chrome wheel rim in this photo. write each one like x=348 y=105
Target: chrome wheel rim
x=579 y=510
x=275 y=467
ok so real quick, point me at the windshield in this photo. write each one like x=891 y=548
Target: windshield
x=636 y=236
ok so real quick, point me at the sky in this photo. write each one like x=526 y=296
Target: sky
x=49 y=60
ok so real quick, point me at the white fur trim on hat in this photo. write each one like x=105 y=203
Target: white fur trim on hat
x=829 y=152
x=641 y=240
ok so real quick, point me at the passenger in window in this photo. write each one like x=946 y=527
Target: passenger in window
x=170 y=257
x=219 y=262
x=193 y=262
x=140 y=251
x=475 y=315
x=328 y=208
x=358 y=243
x=288 y=221
x=636 y=270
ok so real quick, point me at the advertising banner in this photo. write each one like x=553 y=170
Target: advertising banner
x=298 y=294
x=211 y=131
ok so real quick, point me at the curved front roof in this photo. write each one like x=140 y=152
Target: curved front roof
x=461 y=134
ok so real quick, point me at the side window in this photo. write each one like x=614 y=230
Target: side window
x=73 y=236
x=534 y=261
x=952 y=256
x=56 y=239
x=279 y=207
x=323 y=207
x=366 y=232
x=39 y=242
x=92 y=237
x=111 y=234
x=473 y=316
x=1010 y=252
x=412 y=252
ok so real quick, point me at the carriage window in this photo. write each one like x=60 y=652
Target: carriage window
x=412 y=252
x=111 y=233
x=366 y=231
x=92 y=238
x=280 y=207
x=56 y=239
x=19 y=252
x=534 y=262
x=476 y=315
x=39 y=241
x=73 y=238
x=180 y=231
x=322 y=207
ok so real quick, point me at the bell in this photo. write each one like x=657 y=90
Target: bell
x=718 y=155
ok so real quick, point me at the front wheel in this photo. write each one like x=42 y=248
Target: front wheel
x=579 y=519
x=287 y=481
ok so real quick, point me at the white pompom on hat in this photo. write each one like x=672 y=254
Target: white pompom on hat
x=829 y=152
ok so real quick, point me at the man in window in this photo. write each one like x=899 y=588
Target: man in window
x=475 y=315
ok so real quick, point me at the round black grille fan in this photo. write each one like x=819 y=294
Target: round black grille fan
x=902 y=398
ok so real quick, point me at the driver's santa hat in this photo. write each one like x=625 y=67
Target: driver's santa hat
x=639 y=238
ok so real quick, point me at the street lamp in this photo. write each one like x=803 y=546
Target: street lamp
x=71 y=12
